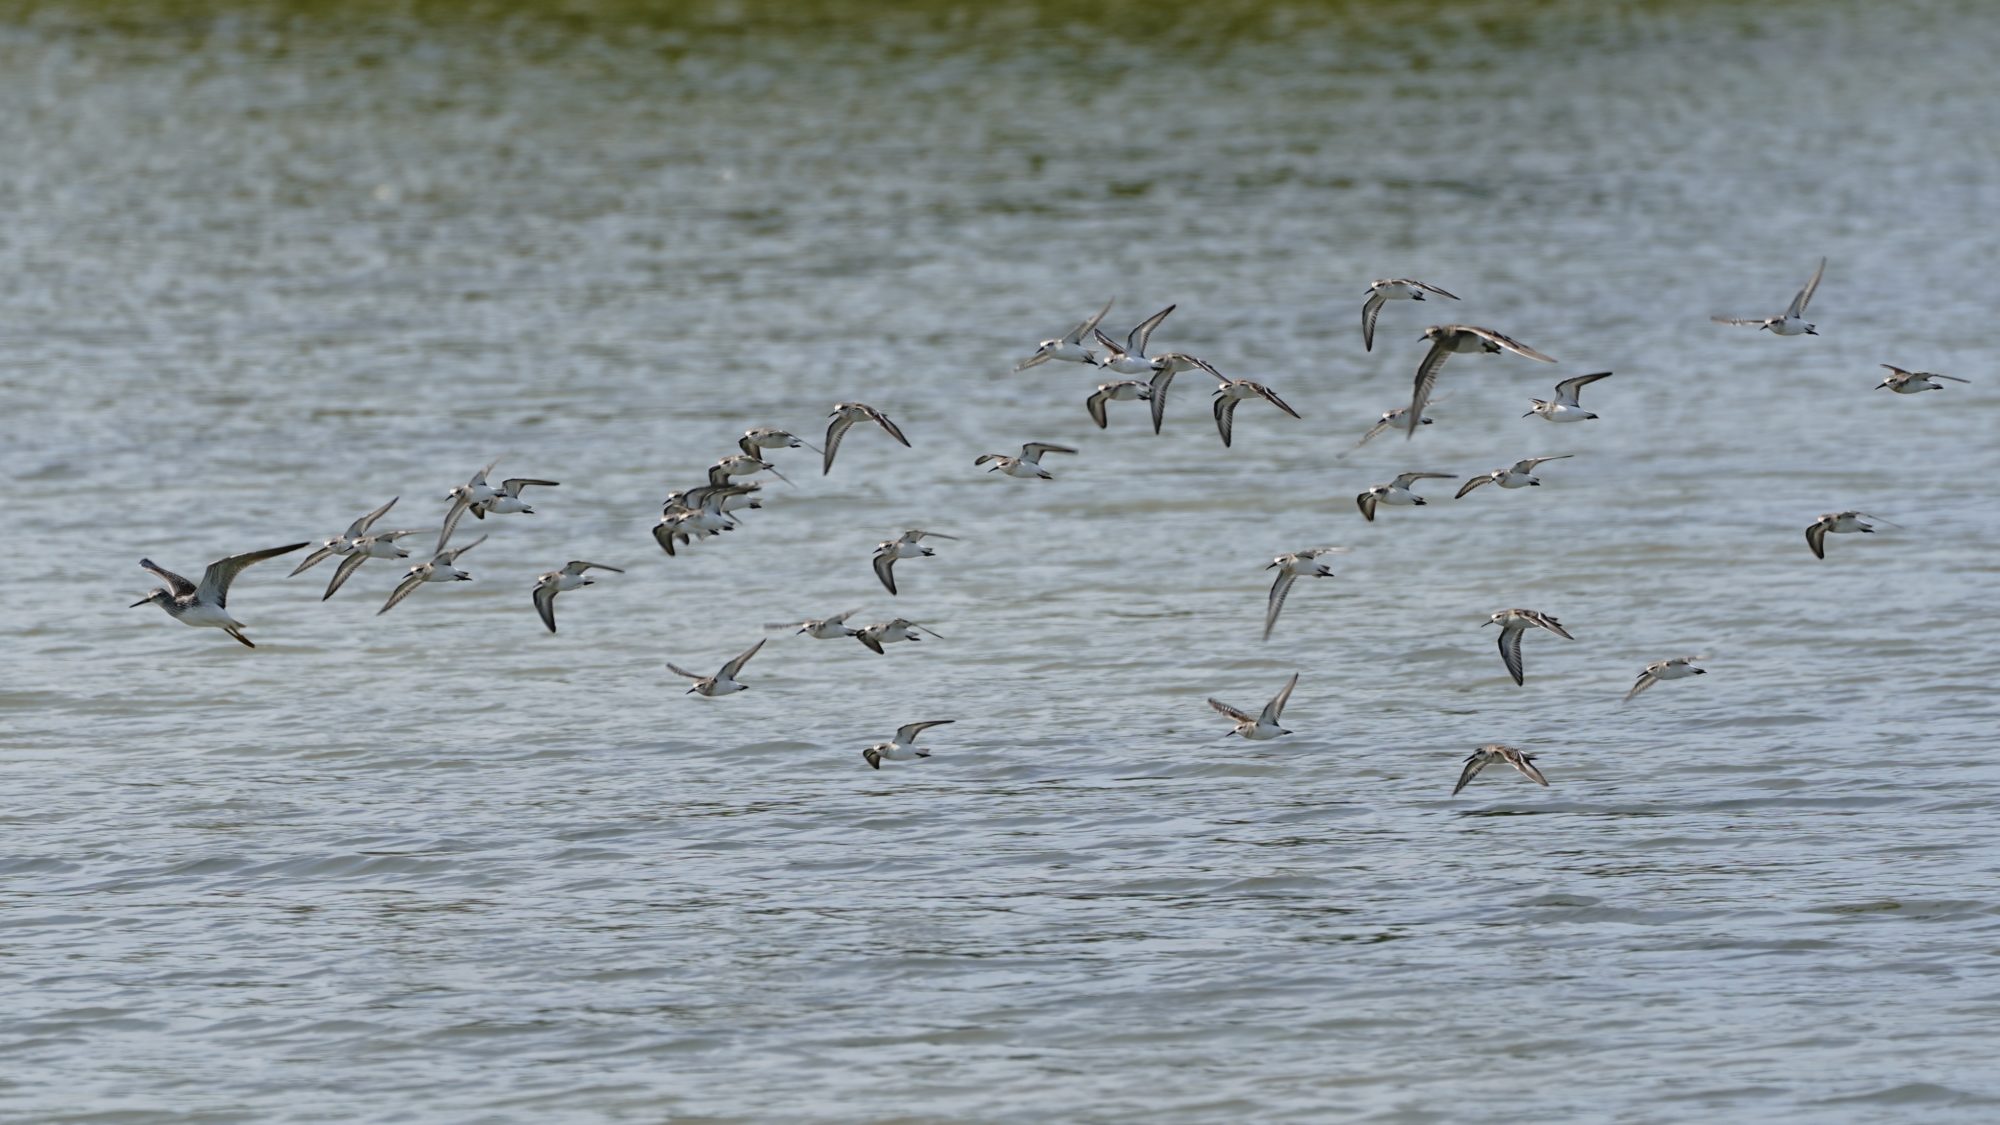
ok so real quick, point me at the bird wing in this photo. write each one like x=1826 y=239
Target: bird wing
x=403 y=589
x=663 y=534
x=1527 y=464
x=1647 y=679
x=1137 y=339
x=1095 y=405
x=1468 y=486
x=883 y=421
x=730 y=669
x=909 y=731
x=1225 y=417
x=717 y=475
x=220 y=573
x=985 y=457
x=1366 y=502
x=1805 y=296
x=545 y=603
x=512 y=486
x=360 y=527
x=1551 y=624
x=1076 y=335
x=1743 y=320
x=874 y=645
x=915 y=533
x=1816 y=538
x=885 y=564
x=479 y=478
x=451 y=518
x=1162 y=379
x=1033 y=450
x=347 y=566
x=1276 y=708
x=1271 y=397
x=1276 y=602
x=1571 y=387
x=1429 y=288
x=1473 y=765
x=1110 y=346
x=1508 y=342
x=1420 y=391
x=315 y=557
x=1232 y=712
x=1510 y=651
x=835 y=430
x=1370 y=309
x=178 y=586
x=1405 y=480
x=1375 y=430
x=1526 y=764
x=451 y=556
x=578 y=566
x=680 y=671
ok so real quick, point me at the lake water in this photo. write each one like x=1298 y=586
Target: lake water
x=265 y=267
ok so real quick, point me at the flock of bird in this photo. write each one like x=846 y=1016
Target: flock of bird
x=707 y=510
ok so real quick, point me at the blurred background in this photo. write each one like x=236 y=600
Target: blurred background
x=264 y=266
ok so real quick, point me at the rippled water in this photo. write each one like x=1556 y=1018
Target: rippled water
x=261 y=272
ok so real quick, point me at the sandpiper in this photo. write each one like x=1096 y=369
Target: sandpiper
x=1838 y=523
x=380 y=545
x=1388 y=419
x=509 y=501
x=1900 y=381
x=208 y=603
x=723 y=682
x=343 y=544
x=1291 y=567
x=823 y=628
x=908 y=545
x=1566 y=408
x=1446 y=339
x=1070 y=346
x=1494 y=752
x=1521 y=474
x=1265 y=724
x=555 y=582
x=741 y=465
x=479 y=498
x=1396 y=492
x=1513 y=623
x=700 y=513
x=1131 y=390
x=1130 y=359
x=1384 y=291
x=873 y=637
x=845 y=415
x=1232 y=391
x=1793 y=321
x=1028 y=466
x=903 y=747
x=1679 y=668
x=441 y=568
x=754 y=442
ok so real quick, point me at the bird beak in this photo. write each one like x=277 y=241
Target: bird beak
x=689 y=691
x=1812 y=331
x=137 y=604
x=1881 y=384
x=1529 y=414
x=1485 y=623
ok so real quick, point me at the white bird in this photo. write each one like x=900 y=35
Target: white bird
x=1793 y=321
x=700 y=513
x=441 y=568
x=1494 y=752
x=1396 y=492
x=1264 y=725
x=380 y=545
x=723 y=682
x=1445 y=340
x=902 y=748
x=206 y=604
x=1900 y=381
x=1069 y=347
x=755 y=441
x=1130 y=390
x=823 y=628
x=1291 y=567
x=1521 y=474
x=1566 y=408
x=1838 y=523
x=343 y=544
x=1390 y=418
x=845 y=415
x=555 y=582
x=1384 y=291
x=1028 y=466
x=479 y=498
x=1513 y=623
x=1232 y=391
x=873 y=637
x=908 y=545
x=509 y=501
x=1131 y=359
x=741 y=465
x=1679 y=668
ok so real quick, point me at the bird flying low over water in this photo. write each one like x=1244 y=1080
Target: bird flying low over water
x=1291 y=567
x=1792 y=322
x=1566 y=408
x=1446 y=340
x=1679 y=668
x=1836 y=523
x=1028 y=466
x=902 y=748
x=845 y=415
x=1130 y=390
x=1494 y=752
x=1070 y=347
x=1521 y=474
x=1396 y=492
x=1265 y=724
x=442 y=568
x=1233 y=391
x=1513 y=623
x=1900 y=381
x=555 y=582
x=1384 y=291
x=343 y=544
x=206 y=604
x=908 y=545
x=723 y=682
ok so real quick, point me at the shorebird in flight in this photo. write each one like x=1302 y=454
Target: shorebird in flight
x=555 y=582
x=902 y=748
x=824 y=628
x=441 y=568
x=1566 y=408
x=1291 y=567
x=1396 y=492
x=343 y=544
x=1028 y=466
x=723 y=682
x=1513 y=623
x=1265 y=724
x=845 y=415
x=480 y=498
x=1679 y=668
x=873 y=637
x=908 y=545
x=1384 y=291
x=1130 y=390
x=754 y=442
x=1521 y=474
x=1445 y=340
x=1232 y=391
x=1838 y=523
x=1494 y=752
x=206 y=604
x=1069 y=347
x=1792 y=322
x=380 y=545
x=1900 y=381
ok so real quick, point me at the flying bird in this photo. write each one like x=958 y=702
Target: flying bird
x=909 y=545
x=442 y=568
x=1521 y=474
x=1494 y=752
x=206 y=604
x=343 y=544
x=902 y=748
x=1028 y=466
x=1838 y=523
x=1792 y=322
x=1384 y=291
x=1291 y=567
x=1679 y=668
x=1900 y=381
x=723 y=682
x=845 y=415
x=1566 y=408
x=1265 y=724
x=1445 y=339
x=1513 y=623
x=1069 y=347
x=1396 y=492
x=555 y=582
x=1233 y=391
